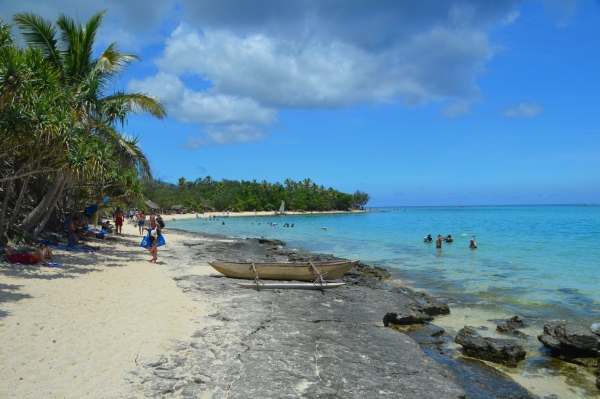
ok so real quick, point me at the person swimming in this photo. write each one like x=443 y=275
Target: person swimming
x=428 y=238
x=449 y=238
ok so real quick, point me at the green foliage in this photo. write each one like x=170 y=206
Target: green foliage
x=231 y=195
x=59 y=120
x=361 y=198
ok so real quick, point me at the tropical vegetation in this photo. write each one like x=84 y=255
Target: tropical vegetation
x=61 y=116
x=232 y=195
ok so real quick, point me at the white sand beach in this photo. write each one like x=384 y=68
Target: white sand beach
x=77 y=331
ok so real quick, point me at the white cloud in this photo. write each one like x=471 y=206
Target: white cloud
x=191 y=106
x=224 y=136
x=295 y=73
x=511 y=18
x=523 y=110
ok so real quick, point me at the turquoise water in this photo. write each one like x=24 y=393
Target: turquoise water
x=538 y=261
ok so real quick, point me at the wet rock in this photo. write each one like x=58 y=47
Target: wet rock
x=570 y=339
x=503 y=351
x=425 y=303
x=405 y=318
x=271 y=242
x=426 y=334
x=515 y=322
x=550 y=342
x=595 y=328
x=598 y=374
x=510 y=330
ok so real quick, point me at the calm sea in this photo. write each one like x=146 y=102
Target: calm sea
x=537 y=261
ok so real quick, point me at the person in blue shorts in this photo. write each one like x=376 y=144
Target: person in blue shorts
x=141 y=221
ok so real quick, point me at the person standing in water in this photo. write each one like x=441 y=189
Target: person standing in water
x=438 y=241
x=472 y=243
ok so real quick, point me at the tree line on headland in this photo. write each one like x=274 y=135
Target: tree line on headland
x=208 y=194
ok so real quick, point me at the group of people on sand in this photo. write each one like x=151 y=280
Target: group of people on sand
x=448 y=239
x=75 y=235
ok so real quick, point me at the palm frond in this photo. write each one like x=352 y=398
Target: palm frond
x=5 y=36
x=39 y=33
x=128 y=153
x=138 y=103
x=87 y=42
x=112 y=62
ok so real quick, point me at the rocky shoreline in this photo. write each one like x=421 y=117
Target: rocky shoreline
x=288 y=343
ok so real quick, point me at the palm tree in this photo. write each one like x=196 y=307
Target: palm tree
x=70 y=53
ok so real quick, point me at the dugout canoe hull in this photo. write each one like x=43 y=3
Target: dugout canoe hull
x=301 y=271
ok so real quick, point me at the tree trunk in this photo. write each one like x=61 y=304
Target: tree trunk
x=15 y=212
x=5 y=204
x=50 y=210
x=42 y=207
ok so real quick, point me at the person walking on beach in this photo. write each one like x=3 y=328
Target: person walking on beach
x=438 y=241
x=119 y=218
x=141 y=221
x=154 y=239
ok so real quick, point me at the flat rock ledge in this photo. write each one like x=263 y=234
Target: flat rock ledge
x=503 y=351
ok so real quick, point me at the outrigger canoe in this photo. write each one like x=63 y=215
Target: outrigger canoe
x=302 y=271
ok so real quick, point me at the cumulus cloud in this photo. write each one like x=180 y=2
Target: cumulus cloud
x=297 y=73
x=224 y=136
x=523 y=110
x=189 y=106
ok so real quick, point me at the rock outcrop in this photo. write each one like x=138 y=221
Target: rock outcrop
x=570 y=339
x=405 y=318
x=509 y=327
x=503 y=351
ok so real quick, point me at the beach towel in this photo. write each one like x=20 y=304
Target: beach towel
x=53 y=264
x=73 y=249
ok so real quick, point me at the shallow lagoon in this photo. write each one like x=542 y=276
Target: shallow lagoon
x=538 y=261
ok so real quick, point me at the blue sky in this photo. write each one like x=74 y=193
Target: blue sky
x=417 y=103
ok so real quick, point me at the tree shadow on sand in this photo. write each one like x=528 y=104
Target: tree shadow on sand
x=9 y=293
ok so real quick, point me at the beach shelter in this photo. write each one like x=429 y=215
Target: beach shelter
x=177 y=208
x=151 y=204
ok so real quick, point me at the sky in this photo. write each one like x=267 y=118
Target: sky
x=445 y=102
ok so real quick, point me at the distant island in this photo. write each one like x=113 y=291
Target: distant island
x=239 y=196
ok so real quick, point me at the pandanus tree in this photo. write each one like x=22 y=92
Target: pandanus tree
x=93 y=108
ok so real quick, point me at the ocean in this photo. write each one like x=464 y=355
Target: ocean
x=540 y=262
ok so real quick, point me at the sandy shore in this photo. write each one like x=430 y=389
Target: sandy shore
x=76 y=331
x=243 y=214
